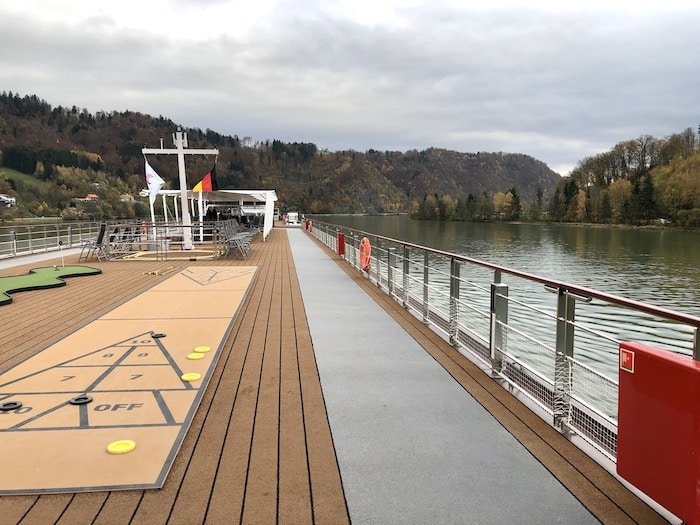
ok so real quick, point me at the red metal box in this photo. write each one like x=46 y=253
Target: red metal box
x=341 y=243
x=659 y=427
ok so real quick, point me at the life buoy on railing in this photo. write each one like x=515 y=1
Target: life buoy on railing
x=365 y=254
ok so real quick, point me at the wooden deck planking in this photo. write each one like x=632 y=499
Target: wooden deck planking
x=85 y=508
x=294 y=482
x=246 y=456
x=260 y=502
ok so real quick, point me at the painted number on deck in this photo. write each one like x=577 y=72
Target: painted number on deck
x=19 y=410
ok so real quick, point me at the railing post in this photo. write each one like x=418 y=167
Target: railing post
x=406 y=270
x=499 y=318
x=355 y=248
x=425 y=288
x=354 y=245
x=14 y=242
x=566 y=309
x=377 y=266
x=454 y=301
x=390 y=270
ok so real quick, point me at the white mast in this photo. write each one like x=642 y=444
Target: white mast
x=180 y=141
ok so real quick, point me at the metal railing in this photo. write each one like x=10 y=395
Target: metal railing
x=553 y=344
x=28 y=239
x=214 y=238
x=123 y=238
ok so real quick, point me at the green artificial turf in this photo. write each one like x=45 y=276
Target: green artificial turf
x=39 y=278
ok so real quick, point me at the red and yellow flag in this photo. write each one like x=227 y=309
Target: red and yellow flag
x=208 y=183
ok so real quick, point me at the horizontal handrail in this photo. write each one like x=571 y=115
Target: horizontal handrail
x=666 y=313
x=20 y=238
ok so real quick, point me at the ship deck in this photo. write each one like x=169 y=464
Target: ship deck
x=329 y=404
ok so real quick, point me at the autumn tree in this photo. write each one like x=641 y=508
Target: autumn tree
x=620 y=192
x=446 y=207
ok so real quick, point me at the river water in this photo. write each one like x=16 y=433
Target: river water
x=656 y=266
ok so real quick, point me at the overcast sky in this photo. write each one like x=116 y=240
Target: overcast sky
x=557 y=80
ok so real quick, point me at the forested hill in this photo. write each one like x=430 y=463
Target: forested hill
x=104 y=149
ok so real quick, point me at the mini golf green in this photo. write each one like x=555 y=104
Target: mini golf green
x=39 y=278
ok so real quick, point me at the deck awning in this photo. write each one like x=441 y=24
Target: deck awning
x=235 y=198
x=238 y=197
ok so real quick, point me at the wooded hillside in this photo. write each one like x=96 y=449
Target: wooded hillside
x=76 y=152
x=639 y=181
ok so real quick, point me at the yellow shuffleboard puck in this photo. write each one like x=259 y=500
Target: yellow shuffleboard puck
x=191 y=376
x=121 y=447
x=194 y=356
x=202 y=349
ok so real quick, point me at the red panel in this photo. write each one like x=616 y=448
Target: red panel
x=658 y=427
x=341 y=243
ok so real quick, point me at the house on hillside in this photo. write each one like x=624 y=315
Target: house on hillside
x=6 y=200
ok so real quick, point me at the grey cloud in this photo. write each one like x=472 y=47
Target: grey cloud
x=559 y=88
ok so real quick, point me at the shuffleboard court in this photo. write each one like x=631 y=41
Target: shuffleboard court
x=130 y=381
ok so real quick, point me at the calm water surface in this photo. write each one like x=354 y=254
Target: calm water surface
x=660 y=267
x=655 y=266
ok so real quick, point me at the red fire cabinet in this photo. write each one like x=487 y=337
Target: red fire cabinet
x=658 y=435
x=341 y=243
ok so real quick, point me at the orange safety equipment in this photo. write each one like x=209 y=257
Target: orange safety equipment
x=365 y=254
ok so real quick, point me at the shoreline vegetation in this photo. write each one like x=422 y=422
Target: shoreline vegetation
x=656 y=226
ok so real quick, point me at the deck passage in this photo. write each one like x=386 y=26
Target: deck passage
x=135 y=374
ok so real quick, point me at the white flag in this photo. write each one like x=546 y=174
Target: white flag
x=155 y=183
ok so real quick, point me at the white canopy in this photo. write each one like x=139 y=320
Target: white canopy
x=235 y=198
x=238 y=197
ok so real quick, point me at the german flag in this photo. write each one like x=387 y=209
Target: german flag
x=208 y=183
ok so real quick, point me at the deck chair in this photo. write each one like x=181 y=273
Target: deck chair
x=236 y=239
x=97 y=247
x=121 y=241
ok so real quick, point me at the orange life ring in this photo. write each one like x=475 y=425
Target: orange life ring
x=365 y=254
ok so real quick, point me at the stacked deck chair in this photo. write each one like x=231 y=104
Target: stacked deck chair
x=97 y=247
x=237 y=239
